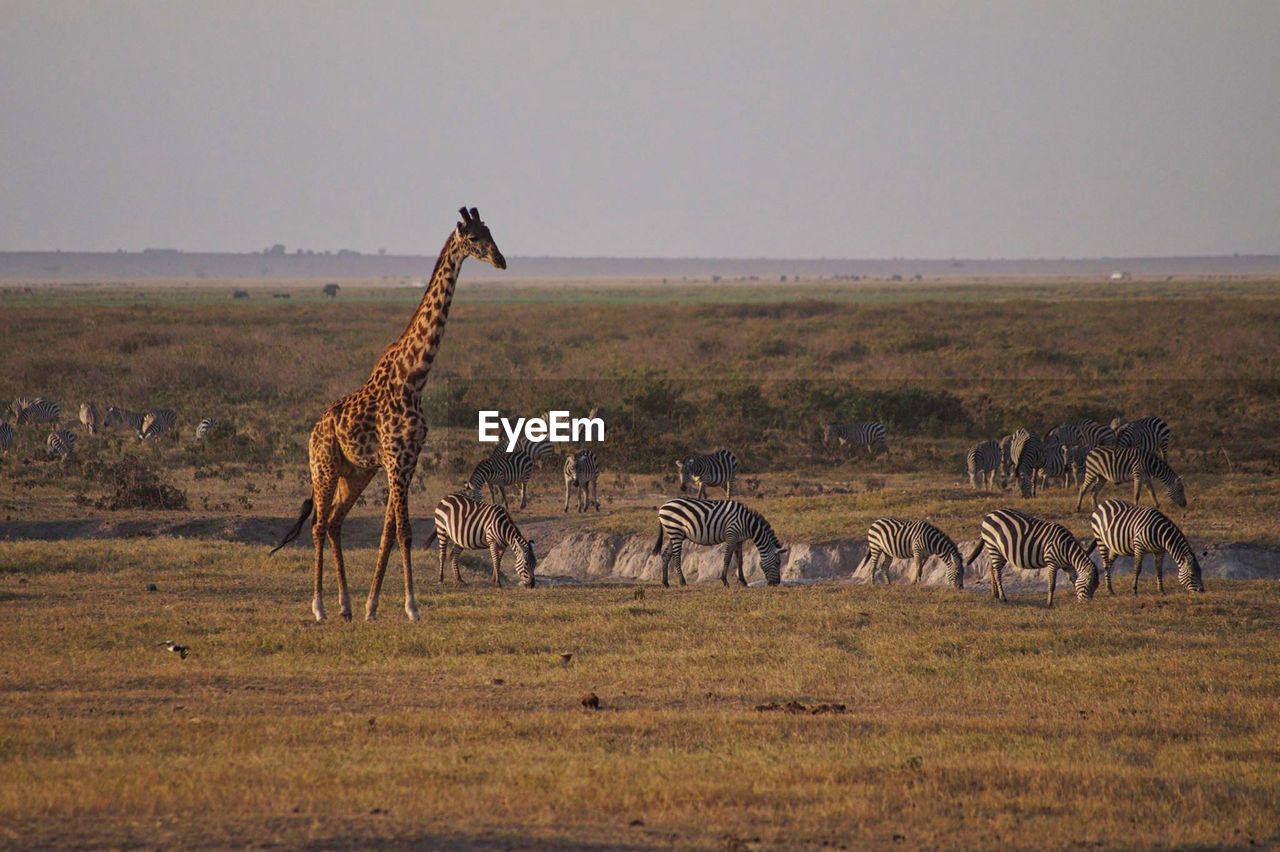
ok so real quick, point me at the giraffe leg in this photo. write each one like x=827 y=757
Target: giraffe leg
x=324 y=481
x=404 y=534
x=349 y=489
x=495 y=554
x=380 y=568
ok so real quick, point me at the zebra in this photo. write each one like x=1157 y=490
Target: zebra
x=6 y=436
x=1006 y=460
x=1026 y=454
x=712 y=522
x=1108 y=464
x=581 y=473
x=1083 y=433
x=61 y=443
x=1076 y=455
x=207 y=425
x=870 y=435
x=537 y=450
x=1147 y=433
x=466 y=524
x=1016 y=538
x=132 y=419
x=1057 y=464
x=157 y=422
x=500 y=470
x=982 y=462
x=1120 y=527
x=37 y=410
x=89 y=416
x=893 y=538
x=719 y=468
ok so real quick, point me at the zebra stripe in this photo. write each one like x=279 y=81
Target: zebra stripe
x=1083 y=433
x=207 y=425
x=1123 y=528
x=719 y=468
x=1026 y=542
x=893 y=538
x=61 y=443
x=466 y=524
x=498 y=471
x=982 y=462
x=581 y=472
x=157 y=422
x=1108 y=464
x=6 y=436
x=870 y=435
x=1147 y=433
x=1026 y=454
x=1056 y=465
x=536 y=450
x=37 y=410
x=1076 y=456
x=89 y=417
x=712 y=522
x=1006 y=460
x=132 y=419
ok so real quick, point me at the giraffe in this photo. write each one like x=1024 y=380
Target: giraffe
x=380 y=426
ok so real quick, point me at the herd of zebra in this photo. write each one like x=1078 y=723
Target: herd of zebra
x=60 y=442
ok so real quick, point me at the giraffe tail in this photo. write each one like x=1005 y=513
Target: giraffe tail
x=308 y=508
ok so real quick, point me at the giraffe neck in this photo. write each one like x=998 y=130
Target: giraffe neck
x=405 y=364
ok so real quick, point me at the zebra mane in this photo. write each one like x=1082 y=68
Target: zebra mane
x=1160 y=468
x=761 y=532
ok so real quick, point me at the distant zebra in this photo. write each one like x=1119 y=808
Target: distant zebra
x=581 y=473
x=1026 y=455
x=1018 y=539
x=1006 y=459
x=61 y=443
x=719 y=468
x=6 y=436
x=1147 y=433
x=466 y=524
x=711 y=522
x=892 y=538
x=537 y=450
x=1076 y=456
x=498 y=471
x=1083 y=433
x=207 y=425
x=870 y=435
x=1121 y=528
x=132 y=419
x=982 y=462
x=89 y=417
x=1056 y=464
x=157 y=422
x=35 y=410
x=1107 y=464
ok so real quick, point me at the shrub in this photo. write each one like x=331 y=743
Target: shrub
x=134 y=485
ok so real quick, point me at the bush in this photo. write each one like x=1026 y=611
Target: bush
x=134 y=485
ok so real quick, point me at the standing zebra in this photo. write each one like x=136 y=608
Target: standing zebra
x=719 y=468
x=1147 y=433
x=537 y=450
x=1076 y=455
x=712 y=522
x=466 y=524
x=1083 y=433
x=37 y=410
x=1018 y=539
x=893 y=538
x=89 y=416
x=61 y=443
x=132 y=419
x=157 y=422
x=870 y=435
x=498 y=471
x=207 y=425
x=6 y=436
x=1123 y=528
x=1026 y=454
x=581 y=472
x=982 y=462
x=1108 y=464
x=1057 y=464
x=1006 y=459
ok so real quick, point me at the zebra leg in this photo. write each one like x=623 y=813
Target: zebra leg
x=995 y=567
x=495 y=553
x=457 y=575
x=1159 y=560
x=1088 y=480
x=595 y=493
x=566 y=495
x=1137 y=568
x=728 y=561
x=524 y=485
x=1152 y=488
x=702 y=489
x=728 y=489
x=1107 y=558
x=666 y=557
x=918 y=557
x=1053 y=582
x=444 y=550
x=742 y=579
x=677 y=554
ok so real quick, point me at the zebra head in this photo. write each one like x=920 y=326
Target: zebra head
x=955 y=568
x=685 y=477
x=1085 y=573
x=526 y=562
x=1189 y=576
x=471 y=487
x=1177 y=491
x=474 y=237
x=771 y=554
x=112 y=416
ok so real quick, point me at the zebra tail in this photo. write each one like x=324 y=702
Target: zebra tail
x=1093 y=545
x=657 y=546
x=976 y=551
x=431 y=539
x=308 y=507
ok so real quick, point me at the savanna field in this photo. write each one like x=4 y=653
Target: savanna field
x=820 y=715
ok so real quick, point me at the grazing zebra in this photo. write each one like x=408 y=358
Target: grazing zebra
x=870 y=435
x=1006 y=458
x=1123 y=528
x=498 y=471
x=1057 y=464
x=207 y=425
x=132 y=419
x=719 y=468
x=1083 y=433
x=1147 y=433
x=157 y=422
x=1026 y=454
x=712 y=522
x=1018 y=539
x=37 y=410
x=61 y=443
x=892 y=538
x=466 y=524
x=1109 y=464
x=537 y=450
x=6 y=436
x=89 y=416
x=1076 y=455
x=581 y=472
x=982 y=462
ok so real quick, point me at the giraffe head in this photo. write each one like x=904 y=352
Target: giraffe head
x=473 y=236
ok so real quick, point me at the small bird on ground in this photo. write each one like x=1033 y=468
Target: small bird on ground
x=180 y=650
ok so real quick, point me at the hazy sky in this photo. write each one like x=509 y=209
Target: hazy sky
x=711 y=129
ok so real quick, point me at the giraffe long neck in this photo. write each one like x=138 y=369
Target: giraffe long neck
x=406 y=363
